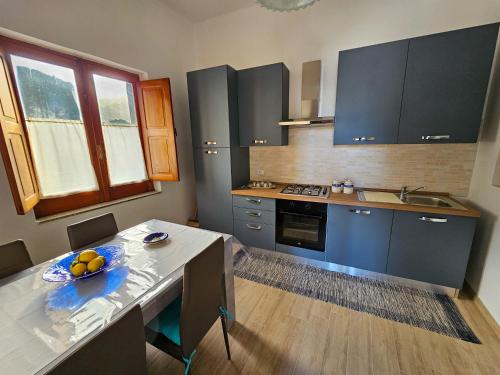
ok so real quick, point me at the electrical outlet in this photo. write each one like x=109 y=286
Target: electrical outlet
x=260 y=172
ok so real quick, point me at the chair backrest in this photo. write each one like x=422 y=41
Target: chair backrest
x=119 y=349
x=201 y=295
x=88 y=231
x=14 y=258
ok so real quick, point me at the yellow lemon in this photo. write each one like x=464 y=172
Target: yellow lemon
x=87 y=255
x=96 y=264
x=78 y=269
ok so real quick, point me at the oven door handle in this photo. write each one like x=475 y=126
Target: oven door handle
x=295 y=214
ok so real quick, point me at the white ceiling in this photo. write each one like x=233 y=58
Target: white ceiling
x=200 y=10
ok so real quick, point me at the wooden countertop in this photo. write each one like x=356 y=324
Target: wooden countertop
x=352 y=200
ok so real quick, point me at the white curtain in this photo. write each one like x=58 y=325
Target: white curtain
x=124 y=154
x=61 y=156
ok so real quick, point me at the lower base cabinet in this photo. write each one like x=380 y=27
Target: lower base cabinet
x=358 y=237
x=254 y=221
x=431 y=248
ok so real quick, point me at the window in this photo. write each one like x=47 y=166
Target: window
x=120 y=128
x=82 y=140
x=56 y=132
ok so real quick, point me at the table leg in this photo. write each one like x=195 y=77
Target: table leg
x=229 y=281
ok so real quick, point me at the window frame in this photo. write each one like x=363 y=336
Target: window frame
x=83 y=70
x=123 y=190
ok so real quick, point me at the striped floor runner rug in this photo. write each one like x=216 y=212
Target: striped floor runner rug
x=385 y=299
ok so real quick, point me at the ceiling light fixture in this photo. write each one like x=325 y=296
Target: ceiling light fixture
x=285 y=5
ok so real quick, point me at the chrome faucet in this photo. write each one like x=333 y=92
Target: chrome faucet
x=404 y=191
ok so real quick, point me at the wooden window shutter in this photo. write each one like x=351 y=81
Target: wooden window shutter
x=14 y=146
x=157 y=122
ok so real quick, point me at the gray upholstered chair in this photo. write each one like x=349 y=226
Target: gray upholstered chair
x=180 y=327
x=14 y=258
x=119 y=349
x=92 y=230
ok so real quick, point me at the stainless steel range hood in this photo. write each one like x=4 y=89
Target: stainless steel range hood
x=311 y=96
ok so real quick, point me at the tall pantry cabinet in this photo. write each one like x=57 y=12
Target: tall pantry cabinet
x=220 y=164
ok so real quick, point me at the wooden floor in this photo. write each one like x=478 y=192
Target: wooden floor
x=282 y=333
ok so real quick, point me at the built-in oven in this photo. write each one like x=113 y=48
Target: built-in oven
x=301 y=224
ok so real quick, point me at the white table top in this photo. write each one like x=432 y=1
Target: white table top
x=42 y=322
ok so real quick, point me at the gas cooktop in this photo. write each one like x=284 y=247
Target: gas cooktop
x=307 y=190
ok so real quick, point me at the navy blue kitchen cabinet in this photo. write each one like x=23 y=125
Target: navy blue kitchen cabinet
x=445 y=86
x=262 y=103
x=358 y=236
x=213 y=106
x=220 y=165
x=430 y=248
x=369 y=91
x=218 y=171
x=255 y=221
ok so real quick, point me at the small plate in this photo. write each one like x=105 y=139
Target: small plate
x=59 y=272
x=155 y=238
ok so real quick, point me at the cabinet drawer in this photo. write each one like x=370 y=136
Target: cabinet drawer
x=255 y=234
x=255 y=215
x=266 y=204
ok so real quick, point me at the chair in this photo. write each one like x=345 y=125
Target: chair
x=89 y=231
x=180 y=327
x=14 y=258
x=119 y=349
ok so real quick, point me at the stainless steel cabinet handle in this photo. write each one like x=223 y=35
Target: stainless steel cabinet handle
x=210 y=143
x=254 y=214
x=260 y=141
x=253 y=200
x=254 y=227
x=433 y=219
x=211 y=152
x=435 y=137
x=363 y=139
x=360 y=212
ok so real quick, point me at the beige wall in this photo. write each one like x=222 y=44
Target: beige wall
x=142 y=34
x=484 y=267
x=254 y=36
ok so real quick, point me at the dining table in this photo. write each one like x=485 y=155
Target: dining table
x=42 y=322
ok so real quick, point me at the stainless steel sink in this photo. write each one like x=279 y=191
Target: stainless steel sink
x=425 y=200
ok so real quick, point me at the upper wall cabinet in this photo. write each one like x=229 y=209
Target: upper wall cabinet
x=445 y=87
x=262 y=103
x=423 y=90
x=213 y=105
x=369 y=91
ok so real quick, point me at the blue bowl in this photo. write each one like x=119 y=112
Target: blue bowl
x=155 y=237
x=59 y=272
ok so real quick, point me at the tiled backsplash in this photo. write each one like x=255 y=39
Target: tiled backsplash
x=310 y=157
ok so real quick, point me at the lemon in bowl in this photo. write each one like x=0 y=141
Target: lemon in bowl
x=87 y=255
x=78 y=269
x=96 y=264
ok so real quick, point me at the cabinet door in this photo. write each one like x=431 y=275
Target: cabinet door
x=358 y=236
x=210 y=104
x=262 y=103
x=369 y=91
x=430 y=248
x=446 y=81
x=213 y=189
